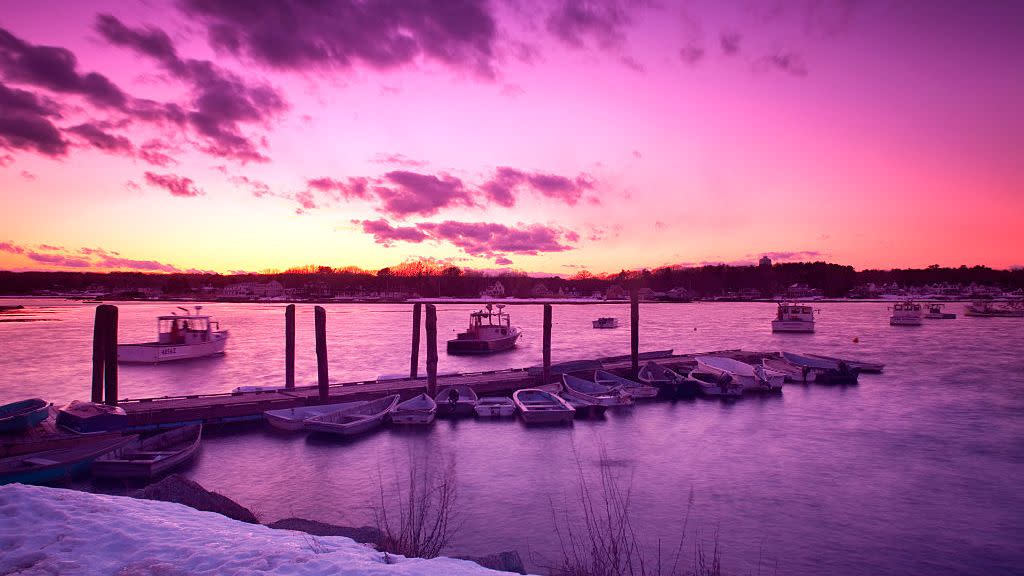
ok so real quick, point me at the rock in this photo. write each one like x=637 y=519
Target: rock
x=502 y=561
x=177 y=488
x=363 y=534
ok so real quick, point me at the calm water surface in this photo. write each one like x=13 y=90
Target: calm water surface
x=915 y=471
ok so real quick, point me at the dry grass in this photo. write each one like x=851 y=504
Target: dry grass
x=417 y=518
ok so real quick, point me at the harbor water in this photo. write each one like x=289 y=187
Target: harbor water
x=914 y=471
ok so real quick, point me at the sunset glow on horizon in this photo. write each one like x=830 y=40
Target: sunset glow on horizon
x=539 y=136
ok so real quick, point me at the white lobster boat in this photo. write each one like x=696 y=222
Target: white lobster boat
x=752 y=378
x=488 y=332
x=793 y=318
x=178 y=338
x=905 y=314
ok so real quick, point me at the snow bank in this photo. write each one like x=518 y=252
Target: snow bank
x=57 y=531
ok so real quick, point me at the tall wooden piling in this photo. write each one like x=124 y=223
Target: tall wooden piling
x=110 y=355
x=320 y=323
x=289 y=346
x=634 y=330
x=547 y=345
x=98 y=341
x=431 y=350
x=414 y=358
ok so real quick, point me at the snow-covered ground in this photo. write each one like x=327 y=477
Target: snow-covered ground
x=57 y=531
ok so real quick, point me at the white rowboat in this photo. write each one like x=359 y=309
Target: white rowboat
x=495 y=407
x=292 y=419
x=633 y=388
x=541 y=407
x=354 y=420
x=419 y=409
x=458 y=400
x=574 y=388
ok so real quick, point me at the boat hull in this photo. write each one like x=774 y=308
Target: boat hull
x=21 y=416
x=495 y=409
x=57 y=465
x=905 y=321
x=354 y=421
x=293 y=419
x=138 y=463
x=540 y=407
x=154 y=353
x=411 y=418
x=792 y=326
x=470 y=347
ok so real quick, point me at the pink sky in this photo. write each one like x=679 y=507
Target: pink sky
x=542 y=136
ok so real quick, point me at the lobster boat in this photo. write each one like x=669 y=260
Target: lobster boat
x=488 y=332
x=179 y=337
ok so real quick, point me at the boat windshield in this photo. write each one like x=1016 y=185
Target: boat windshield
x=172 y=325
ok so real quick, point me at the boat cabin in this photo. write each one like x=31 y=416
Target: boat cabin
x=906 y=308
x=487 y=325
x=798 y=312
x=185 y=329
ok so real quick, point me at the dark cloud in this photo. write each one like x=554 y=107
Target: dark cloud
x=797 y=255
x=85 y=258
x=221 y=101
x=25 y=123
x=55 y=69
x=691 y=54
x=340 y=189
x=176 y=185
x=788 y=62
x=257 y=188
x=502 y=261
x=11 y=248
x=632 y=63
x=154 y=152
x=730 y=42
x=482 y=239
x=107 y=261
x=403 y=193
x=28 y=176
x=336 y=34
x=503 y=187
x=99 y=138
x=59 y=260
x=398 y=160
x=384 y=233
x=603 y=22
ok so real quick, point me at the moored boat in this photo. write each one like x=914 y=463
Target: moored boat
x=862 y=365
x=574 y=388
x=542 y=407
x=752 y=378
x=23 y=415
x=636 y=390
x=488 y=332
x=150 y=457
x=606 y=322
x=821 y=370
x=354 y=419
x=905 y=314
x=178 y=338
x=716 y=384
x=664 y=379
x=419 y=409
x=92 y=417
x=458 y=400
x=495 y=407
x=56 y=465
x=792 y=317
x=987 y=309
x=935 y=312
x=292 y=419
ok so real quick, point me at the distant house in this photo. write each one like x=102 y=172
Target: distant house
x=272 y=289
x=801 y=290
x=765 y=262
x=679 y=294
x=616 y=292
x=646 y=294
x=496 y=290
x=540 y=291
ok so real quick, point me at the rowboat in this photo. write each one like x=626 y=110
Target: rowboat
x=54 y=465
x=752 y=378
x=664 y=379
x=419 y=409
x=152 y=456
x=822 y=371
x=541 y=407
x=291 y=419
x=864 y=367
x=91 y=417
x=635 y=389
x=354 y=419
x=984 y=308
x=22 y=415
x=719 y=384
x=574 y=388
x=457 y=400
x=495 y=407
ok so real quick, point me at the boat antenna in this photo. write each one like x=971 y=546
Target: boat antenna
x=183 y=309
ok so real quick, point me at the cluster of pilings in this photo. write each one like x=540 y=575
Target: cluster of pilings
x=104 y=351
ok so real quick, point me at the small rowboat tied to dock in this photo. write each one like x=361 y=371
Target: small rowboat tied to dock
x=178 y=338
x=152 y=456
x=292 y=419
x=20 y=416
x=821 y=370
x=719 y=385
x=91 y=417
x=419 y=409
x=631 y=387
x=495 y=407
x=56 y=465
x=574 y=388
x=458 y=400
x=541 y=407
x=663 y=378
x=354 y=420
x=752 y=378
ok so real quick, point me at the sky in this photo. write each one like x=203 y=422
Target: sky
x=230 y=135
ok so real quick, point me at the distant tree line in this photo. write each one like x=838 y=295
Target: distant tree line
x=429 y=279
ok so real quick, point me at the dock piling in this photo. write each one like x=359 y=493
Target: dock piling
x=547 y=345
x=320 y=324
x=414 y=358
x=110 y=355
x=634 y=330
x=289 y=346
x=431 y=350
x=98 y=341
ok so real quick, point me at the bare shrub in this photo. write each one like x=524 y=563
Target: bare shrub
x=417 y=519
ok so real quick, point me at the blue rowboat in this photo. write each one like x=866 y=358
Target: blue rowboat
x=20 y=416
x=56 y=465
